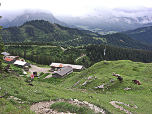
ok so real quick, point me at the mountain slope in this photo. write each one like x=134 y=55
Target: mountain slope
x=20 y=95
x=44 y=31
x=143 y=34
x=19 y=20
x=104 y=20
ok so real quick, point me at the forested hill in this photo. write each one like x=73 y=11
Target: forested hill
x=96 y=54
x=44 y=31
x=143 y=34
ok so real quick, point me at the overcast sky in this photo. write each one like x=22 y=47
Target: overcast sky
x=69 y=7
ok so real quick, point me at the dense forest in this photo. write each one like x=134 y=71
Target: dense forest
x=46 y=54
x=1 y=50
x=44 y=31
x=96 y=54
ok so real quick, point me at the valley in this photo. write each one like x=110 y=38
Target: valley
x=115 y=77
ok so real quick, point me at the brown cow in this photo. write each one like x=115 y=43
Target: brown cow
x=120 y=78
x=136 y=82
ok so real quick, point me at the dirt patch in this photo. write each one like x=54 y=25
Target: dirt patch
x=44 y=107
x=121 y=108
x=37 y=69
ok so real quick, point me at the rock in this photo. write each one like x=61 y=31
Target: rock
x=85 y=102
x=15 y=98
x=41 y=107
x=90 y=105
x=47 y=110
x=100 y=86
x=11 y=97
x=75 y=100
x=71 y=99
x=127 y=88
x=84 y=83
x=90 y=77
x=111 y=80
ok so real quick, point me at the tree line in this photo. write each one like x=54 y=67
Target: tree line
x=96 y=54
x=1 y=49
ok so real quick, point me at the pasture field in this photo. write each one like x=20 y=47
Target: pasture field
x=73 y=86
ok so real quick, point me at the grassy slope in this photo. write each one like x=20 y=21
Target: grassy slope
x=139 y=94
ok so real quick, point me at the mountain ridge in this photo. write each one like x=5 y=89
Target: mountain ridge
x=142 y=34
x=27 y=16
x=44 y=31
x=112 y=19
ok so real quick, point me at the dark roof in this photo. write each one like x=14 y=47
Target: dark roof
x=63 y=71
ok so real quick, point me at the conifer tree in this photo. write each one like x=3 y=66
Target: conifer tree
x=1 y=50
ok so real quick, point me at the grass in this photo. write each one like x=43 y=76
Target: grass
x=46 y=89
x=67 y=107
x=102 y=39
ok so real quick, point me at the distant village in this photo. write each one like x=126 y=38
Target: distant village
x=58 y=70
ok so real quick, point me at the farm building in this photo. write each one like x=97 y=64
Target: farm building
x=9 y=60
x=62 y=72
x=5 y=53
x=56 y=66
x=21 y=63
x=13 y=57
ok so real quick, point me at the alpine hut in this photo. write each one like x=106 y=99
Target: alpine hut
x=62 y=72
x=21 y=63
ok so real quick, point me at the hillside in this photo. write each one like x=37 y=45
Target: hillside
x=143 y=34
x=44 y=31
x=72 y=86
x=96 y=54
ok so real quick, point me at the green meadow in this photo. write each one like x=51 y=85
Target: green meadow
x=72 y=86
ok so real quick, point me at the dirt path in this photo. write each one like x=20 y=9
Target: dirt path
x=37 y=69
x=80 y=57
x=121 y=108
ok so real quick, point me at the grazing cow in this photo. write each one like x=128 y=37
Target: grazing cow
x=136 y=82
x=115 y=74
x=120 y=78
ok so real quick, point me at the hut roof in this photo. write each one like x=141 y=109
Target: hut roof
x=8 y=59
x=63 y=71
x=5 y=53
x=21 y=63
x=64 y=65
